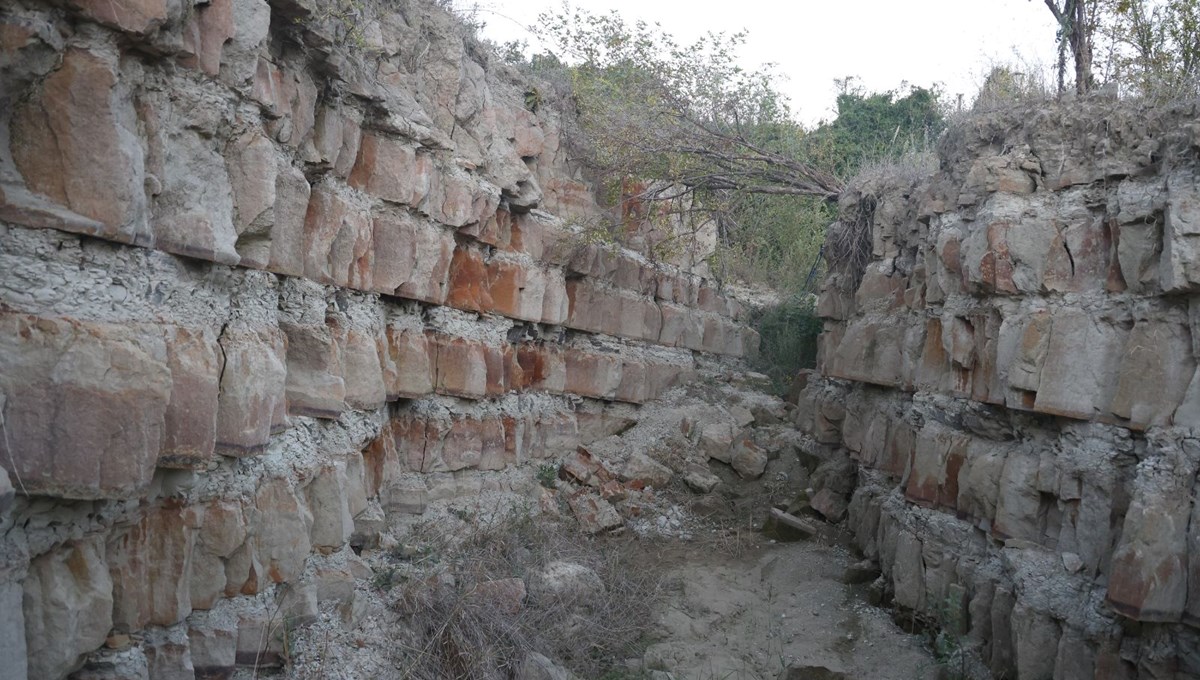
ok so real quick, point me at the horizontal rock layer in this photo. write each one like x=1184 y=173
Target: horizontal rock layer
x=273 y=278
x=1014 y=371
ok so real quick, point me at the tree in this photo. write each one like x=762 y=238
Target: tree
x=682 y=114
x=1154 y=45
x=1076 y=26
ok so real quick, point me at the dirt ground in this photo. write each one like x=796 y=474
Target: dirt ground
x=777 y=605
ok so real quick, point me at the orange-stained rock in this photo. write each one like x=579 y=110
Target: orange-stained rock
x=462 y=447
x=74 y=142
x=494 y=454
x=392 y=170
x=517 y=291
x=337 y=240
x=461 y=368
x=408 y=367
x=411 y=257
x=150 y=563
x=498 y=367
x=592 y=374
x=251 y=403
x=131 y=16
x=1149 y=580
x=194 y=358
x=469 y=281
x=84 y=405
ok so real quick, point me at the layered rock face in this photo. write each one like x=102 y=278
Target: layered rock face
x=1015 y=373
x=271 y=276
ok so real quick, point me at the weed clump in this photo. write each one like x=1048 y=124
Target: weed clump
x=514 y=586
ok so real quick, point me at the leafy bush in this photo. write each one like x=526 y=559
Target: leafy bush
x=788 y=333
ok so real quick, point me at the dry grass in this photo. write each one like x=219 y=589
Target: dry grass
x=455 y=633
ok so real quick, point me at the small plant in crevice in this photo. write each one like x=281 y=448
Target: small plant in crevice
x=546 y=474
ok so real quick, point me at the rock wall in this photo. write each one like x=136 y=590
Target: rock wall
x=272 y=276
x=1015 y=374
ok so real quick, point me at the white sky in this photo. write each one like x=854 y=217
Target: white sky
x=883 y=42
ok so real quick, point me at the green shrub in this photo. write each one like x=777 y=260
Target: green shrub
x=788 y=333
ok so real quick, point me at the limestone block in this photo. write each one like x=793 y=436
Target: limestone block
x=908 y=573
x=206 y=33
x=1076 y=383
x=460 y=367
x=494 y=453
x=412 y=257
x=132 y=16
x=937 y=460
x=517 y=291
x=1179 y=266
x=68 y=606
x=253 y=176
x=192 y=199
x=470 y=283
x=979 y=479
x=74 y=142
x=362 y=372
x=408 y=367
x=251 y=21
x=635 y=386
x=150 y=566
x=556 y=305
x=219 y=536
x=681 y=327
x=639 y=466
x=747 y=458
x=1018 y=504
x=392 y=170
x=12 y=631
x=281 y=535
x=1009 y=252
x=252 y=398
x=1035 y=639
x=595 y=514
x=1149 y=580
x=592 y=374
x=189 y=438
x=463 y=445
x=1156 y=366
x=315 y=383
x=328 y=501
x=212 y=638
x=338 y=240
x=590 y=308
x=292 y=194
x=168 y=654
x=716 y=438
x=84 y=405
x=458 y=198
x=337 y=136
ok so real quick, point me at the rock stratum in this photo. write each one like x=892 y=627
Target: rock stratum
x=273 y=274
x=1014 y=373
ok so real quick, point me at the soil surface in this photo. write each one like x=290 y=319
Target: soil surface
x=752 y=615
